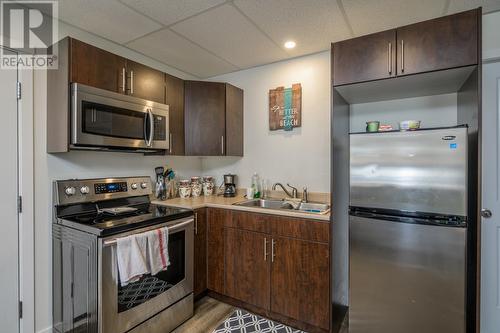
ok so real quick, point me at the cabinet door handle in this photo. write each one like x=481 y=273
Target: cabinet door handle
x=196 y=223
x=131 y=82
x=124 y=89
x=265 y=249
x=402 y=56
x=222 y=144
x=171 y=143
x=389 y=58
x=273 y=254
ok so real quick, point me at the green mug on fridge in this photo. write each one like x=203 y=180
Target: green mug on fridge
x=372 y=126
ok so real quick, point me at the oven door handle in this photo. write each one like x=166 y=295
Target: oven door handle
x=149 y=123
x=171 y=229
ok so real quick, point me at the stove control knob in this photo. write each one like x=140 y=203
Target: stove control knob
x=134 y=186
x=84 y=190
x=144 y=185
x=70 y=190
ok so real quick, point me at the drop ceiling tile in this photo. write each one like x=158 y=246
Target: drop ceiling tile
x=227 y=33
x=109 y=19
x=170 y=11
x=174 y=50
x=312 y=24
x=372 y=16
x=461 y=5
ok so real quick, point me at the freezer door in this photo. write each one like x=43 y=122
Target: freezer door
x=416 y=171
x=406 y=277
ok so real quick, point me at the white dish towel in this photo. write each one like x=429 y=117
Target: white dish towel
x=131 y=253
x=158 y=250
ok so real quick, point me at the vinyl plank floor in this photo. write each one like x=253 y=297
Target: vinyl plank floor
x=208 y=314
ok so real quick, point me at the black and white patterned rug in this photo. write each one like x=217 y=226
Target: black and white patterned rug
x=242 y=321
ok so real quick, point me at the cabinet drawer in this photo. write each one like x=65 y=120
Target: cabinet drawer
x=250 y=221
x=301 y=229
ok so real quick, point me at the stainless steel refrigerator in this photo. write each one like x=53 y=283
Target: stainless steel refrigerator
x=408 y=231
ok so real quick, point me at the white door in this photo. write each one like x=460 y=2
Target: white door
x=9 y=233
x=490 y=227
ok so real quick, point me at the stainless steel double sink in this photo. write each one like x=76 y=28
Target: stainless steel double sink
x=283 y=204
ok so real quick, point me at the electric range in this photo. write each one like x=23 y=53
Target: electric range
x=89 y=216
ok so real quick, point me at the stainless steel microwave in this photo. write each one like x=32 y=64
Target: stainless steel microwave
x=102 y=119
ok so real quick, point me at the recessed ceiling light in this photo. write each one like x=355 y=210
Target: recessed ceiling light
x=290 y=44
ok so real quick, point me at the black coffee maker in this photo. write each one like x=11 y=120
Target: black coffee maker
x=229 y=185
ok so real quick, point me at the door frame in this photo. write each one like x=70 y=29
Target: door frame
x=26 y=190
x=25 y=142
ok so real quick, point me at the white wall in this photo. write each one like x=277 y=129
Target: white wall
x=433 y=111
x=491 y=40
x=301 y=156
x=81 y=164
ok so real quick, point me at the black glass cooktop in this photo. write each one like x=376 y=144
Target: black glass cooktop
x=106 y=221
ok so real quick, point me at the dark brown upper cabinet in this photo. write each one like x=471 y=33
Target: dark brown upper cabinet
x=95 y=67
x=213 y=120
x=175 y=99
x=442 y=43
x=98 y=68
x=365 y=58
x=145 y=82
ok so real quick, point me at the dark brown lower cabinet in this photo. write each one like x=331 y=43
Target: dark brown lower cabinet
x=200 y=251
x=299 y=280
x=215 y=248
x=276 y=266
x=247 y=268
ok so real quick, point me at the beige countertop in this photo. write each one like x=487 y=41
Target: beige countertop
x=215 y=201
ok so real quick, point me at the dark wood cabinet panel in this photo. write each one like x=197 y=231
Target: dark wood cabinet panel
x=365 y=58
x=234 y=121
x=175 y=101
x=300 y=281
x=204 y=112
x=301 y=228
x=250 y=221
x=200 y=251
x=248 y=266
x=95 y=67
x=145 y=82
x=445 y=42
x=215 y=248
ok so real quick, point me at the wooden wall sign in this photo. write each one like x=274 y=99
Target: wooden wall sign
x=285 y=108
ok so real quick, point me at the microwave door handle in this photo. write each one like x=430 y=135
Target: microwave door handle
x=151 y=127
x=148 y=124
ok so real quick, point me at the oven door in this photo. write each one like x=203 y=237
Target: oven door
x=102 y=118
x=122 y=308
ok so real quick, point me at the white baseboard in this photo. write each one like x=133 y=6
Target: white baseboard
x=46 y=330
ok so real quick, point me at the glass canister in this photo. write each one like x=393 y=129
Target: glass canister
x=196 y=186
x=184 y=188
x=208 y=185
